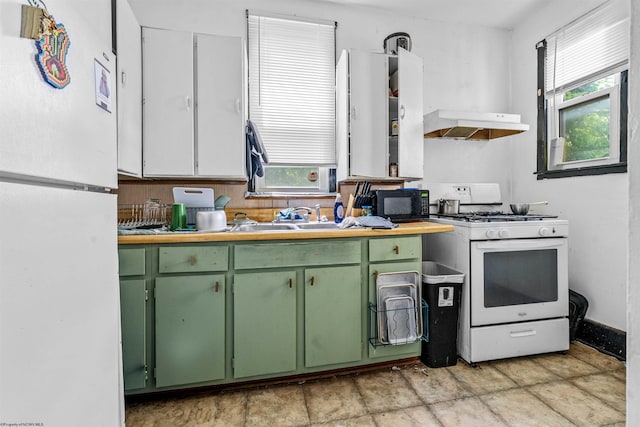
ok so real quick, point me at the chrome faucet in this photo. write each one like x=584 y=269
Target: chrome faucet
x=305 y=217
x=317 y=207
x=291 y=217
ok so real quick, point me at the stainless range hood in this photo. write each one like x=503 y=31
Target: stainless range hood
x=471 y=125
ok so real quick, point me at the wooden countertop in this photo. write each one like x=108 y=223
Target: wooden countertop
x=403 y=229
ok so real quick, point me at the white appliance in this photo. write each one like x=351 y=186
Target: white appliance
x=59 y=293
x=515 y=292
x=471 y=125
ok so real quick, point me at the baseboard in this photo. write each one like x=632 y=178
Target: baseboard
x=604 y=338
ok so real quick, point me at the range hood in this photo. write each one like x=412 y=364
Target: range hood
x=471 y=125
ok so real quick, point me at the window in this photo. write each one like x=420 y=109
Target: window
x=582 y=96
x=292 y=101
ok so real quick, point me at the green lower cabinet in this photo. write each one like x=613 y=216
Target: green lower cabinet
x=332 y=315
x=190 y=329
x=264 y=323
x=295 y=307
x=402 y=350
x=133 y=296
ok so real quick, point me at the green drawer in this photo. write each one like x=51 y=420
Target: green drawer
x=297 y=254
x=131 y=262
x=190 y=259
x=395 y=248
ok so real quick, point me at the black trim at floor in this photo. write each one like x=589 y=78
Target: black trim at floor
x=604 y=338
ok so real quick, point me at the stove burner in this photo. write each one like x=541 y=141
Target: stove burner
x=494 y=217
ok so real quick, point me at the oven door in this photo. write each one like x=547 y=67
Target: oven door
x=518 y=280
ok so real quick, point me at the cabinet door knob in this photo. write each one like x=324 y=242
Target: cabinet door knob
x=290 y=282
x=217 y=287
x=402 y=111
x=396 y=249
x=375 y=274
x=193 y=260
x=187 y=102
x=238 y=105
x=313 y=280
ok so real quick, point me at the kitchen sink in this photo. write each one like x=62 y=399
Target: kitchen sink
x=274 y=226
x=263 y=226
x=319 y=226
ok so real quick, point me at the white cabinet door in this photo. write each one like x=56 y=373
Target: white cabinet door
x=342 y=116
x=129 y=85
x=410 y=136
x=368 y=78
x=220 y=137
x=168 y=103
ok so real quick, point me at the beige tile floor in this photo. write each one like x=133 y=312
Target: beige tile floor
x=581 y=388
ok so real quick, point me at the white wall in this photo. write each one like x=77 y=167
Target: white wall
x=596 y=206
x=465 y=67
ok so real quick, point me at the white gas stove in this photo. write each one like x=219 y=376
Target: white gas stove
x=515 y=295
x=499 y=225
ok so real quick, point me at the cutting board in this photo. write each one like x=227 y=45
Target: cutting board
x=194 y=197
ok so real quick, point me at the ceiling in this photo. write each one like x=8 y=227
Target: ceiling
x=492 y=13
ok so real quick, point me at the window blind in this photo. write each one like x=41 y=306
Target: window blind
x=292 y=89
x=591 y=45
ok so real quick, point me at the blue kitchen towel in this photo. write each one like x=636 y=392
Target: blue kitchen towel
x=375 y=222
x=289 y=214
x=256 y=154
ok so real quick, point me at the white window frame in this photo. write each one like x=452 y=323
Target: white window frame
x=322 y=184
x=593 y=46
x=556 y=140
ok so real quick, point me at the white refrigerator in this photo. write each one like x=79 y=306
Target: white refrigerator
x=60 y=346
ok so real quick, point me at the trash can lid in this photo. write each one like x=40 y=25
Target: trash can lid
x=434 y=273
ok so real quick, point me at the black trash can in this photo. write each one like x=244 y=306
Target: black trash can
x=441 y=289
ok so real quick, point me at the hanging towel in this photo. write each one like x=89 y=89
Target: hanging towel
x=256 y=154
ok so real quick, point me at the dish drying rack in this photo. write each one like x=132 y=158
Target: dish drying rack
x=400 y=315
x=151 y=214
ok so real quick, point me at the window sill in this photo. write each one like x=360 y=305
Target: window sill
x=584 y=171
x=287 y=196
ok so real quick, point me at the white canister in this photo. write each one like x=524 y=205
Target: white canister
x=211 y=221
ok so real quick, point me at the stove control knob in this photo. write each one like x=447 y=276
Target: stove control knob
x=545 y=231
x=491 y=233
x=503 y=234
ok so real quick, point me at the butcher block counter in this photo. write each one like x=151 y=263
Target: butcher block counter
x=221 y=309
x=192 y=237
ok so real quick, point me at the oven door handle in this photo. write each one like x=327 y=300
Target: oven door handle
x=519 y=245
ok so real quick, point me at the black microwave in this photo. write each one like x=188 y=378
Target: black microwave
x=407 y=204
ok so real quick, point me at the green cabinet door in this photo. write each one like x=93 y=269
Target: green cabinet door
x=132 y=317
x=264 y=323
x=190 y=325
x=332 y=315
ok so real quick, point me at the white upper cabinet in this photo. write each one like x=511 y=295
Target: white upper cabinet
x=220 y=106
x=129 y=87
x=369 y=142
x=168 y=103
x=193 y=105
x=410 y=130
x=379 y=113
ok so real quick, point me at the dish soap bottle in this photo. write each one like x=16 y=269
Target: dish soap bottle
x=338 y=209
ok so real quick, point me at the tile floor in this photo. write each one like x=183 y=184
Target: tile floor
x=583 y=388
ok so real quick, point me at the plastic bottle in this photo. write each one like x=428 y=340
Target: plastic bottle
x=338 y=209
